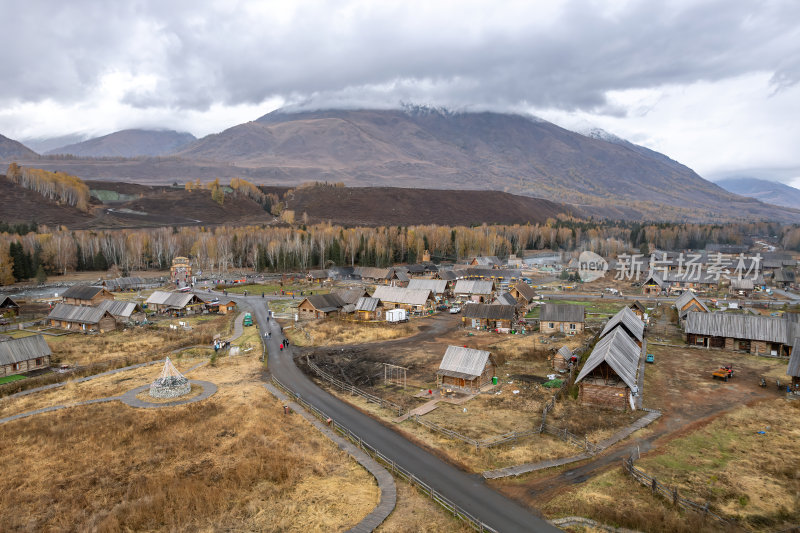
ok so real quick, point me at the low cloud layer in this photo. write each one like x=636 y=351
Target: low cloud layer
x=188 y=64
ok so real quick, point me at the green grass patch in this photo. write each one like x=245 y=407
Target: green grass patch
x=9 y=379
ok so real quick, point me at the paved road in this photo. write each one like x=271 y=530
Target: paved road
x=467 y=491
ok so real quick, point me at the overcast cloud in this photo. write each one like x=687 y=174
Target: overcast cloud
x=713 y=84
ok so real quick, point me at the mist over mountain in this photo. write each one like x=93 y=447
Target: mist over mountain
x=128 y=143
x=771 y=192
x=11 y=149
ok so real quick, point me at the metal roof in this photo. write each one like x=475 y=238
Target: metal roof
x=120 y=307
x=562 y=313
x=620 y=352
x=130 y=282
x=367 y=304
x=794 y=360
x=505 y=299
x=687 y=297
x=466 y=363
x=490 y=311
x=24 y=349
x=402 y=295
x=464 y=286
x=627 y=319
x=760 y=328
x=438 y=286
x=82 y=314
x=82 y=292
x=177 y=300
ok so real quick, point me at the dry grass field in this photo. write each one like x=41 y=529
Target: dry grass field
x=328 y=332
x=417 y=512
x=221 y=464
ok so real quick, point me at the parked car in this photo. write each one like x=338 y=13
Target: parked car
x=455 y=310
x=442 y=307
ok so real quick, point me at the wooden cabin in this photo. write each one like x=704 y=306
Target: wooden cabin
x=410 y=299
x=689 y=301
x=8 y=307
x=746 y=333
x=638 y=309
x=742 y=287
x=479 y=291
x=175 y=303
x=629 y=322
x=320 y=306
x=523 y=293
x=489 y=261
x=569 y=319
x=317 y=276
x=653 y=285
x=609 y=376
x=563 y=358
x=793 y=370
x=437 y=286
x=368 y=309
x=82 y=318
x=350 y=296
x=23 y=355
x=466 y=369
x=490 y=316
x=85 y=295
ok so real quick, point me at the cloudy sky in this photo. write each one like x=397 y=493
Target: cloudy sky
x=711 y=83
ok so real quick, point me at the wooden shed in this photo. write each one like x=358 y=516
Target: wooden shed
x=742 y=287
x=628 y=321
x=638 y=309
x=689 y=301
x=562 y=358
x=23 y=355
x=489 y=316
x=369 y=308
x=523 y=293
x=85 y=295
x=609 y=376
x=227 y=307
x=8 y=307
x=466 y=369
x=82 y=318
x=569 y=319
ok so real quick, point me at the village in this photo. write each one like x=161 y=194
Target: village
x=516 y=369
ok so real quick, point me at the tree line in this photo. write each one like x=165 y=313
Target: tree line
x=56 y=186
x=299 y=248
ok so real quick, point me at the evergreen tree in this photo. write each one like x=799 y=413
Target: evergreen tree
x=100 y=262
x=41 y=277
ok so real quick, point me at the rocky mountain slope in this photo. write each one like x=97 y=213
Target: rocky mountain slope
x=128 y=143
x=771 y=192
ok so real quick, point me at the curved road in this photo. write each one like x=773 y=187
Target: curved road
x=468 y=491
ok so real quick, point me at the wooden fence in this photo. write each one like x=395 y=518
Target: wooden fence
x=571 y=438
x=346 y=387
x=391 y=465
x=670 y=493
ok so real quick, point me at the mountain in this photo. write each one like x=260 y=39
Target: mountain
x=11 y=149
x=771 y=192
x=45 y=144
x=429 y=148
x=128 y=143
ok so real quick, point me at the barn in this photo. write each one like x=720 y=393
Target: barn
x=466 y=369
x=562 y=318
x=609 y=376
x=81 y=317
x=23 y=355
x=8 y=307
x=85 y=295
x=747 y=333
x=489 y=316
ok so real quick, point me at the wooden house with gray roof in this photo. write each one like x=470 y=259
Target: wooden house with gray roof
x=653 y=285
x=367 y=308
x=569 y=319
x=23 y=355
x=638 y=309
x=474 y=290
x=8 y=307
x=563 y=358
x=629 y=322
x=793 y=370
x=745 y=333
x=439 y=287
x=466 y=369
x=451 y=274
x=523 y=293
x=175 y=303
x=489 y=316
x=350 y=296
x=405 y=298
x=82 y=318
x=689 y=301
x=505 y=298
x=123 y=311
x=85 y=295
x=609 y=376
x=320 y=305
x=784 y=278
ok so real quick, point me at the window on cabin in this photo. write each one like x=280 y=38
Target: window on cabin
x=572 y=326
x=552 y=325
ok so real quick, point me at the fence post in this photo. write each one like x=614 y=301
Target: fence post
x=675 y=496
x=653 y=485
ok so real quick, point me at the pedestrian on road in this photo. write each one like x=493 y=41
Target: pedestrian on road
x=281 y=346
x=262 y=294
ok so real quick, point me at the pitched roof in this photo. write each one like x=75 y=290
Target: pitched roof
x=24 y=349
x=400 y=274
x=367 y=304
x=525 y=290
x=372 y=272
x=486 y=260
x=175 y=300
x=82 y=314
x=620 y=352
x=687 y=297
x=318 y=274
x=794 y=361
x=349 y=296
x=120 y=307
x=785 y=276
x=326 y=302
x=402 y=295
x=505 y=299
x=82 y=292
x=565 y=352
x=7 y=303
x=438 y=286
x=760 y=328
x=653 y=279
x=745 y=284
x=121 y=284
x=466 y=363
x=493 y=273
x=490 y=311
x=452 y=275
x=465 y=286
x=627 y=319
x=562 y=313
x=638 y=305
